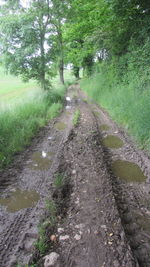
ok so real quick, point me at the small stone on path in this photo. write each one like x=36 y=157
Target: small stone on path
x=51 y=260
x=77 y=237
x=63 y=238
x=60 y=230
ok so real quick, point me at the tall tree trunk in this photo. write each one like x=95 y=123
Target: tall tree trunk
x=61 y=51
x=61 y=71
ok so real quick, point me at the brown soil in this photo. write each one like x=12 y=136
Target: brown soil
x=107 y=219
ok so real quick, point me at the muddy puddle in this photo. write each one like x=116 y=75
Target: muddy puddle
x=96 y=113
x=112 y=141
x=18 y=200
x=68 y=113
x=41 y=160
x=143 y=221
x=128 y=171
x=60 y=126
x=104 y=127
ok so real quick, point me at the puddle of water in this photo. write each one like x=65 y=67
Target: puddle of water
x=143 y=221
x=112 y=141
x=68 y=107
x=104 y=127
x=128 y=171
x=41 y=160
x=60 y=126
x=96 y=113
x=20 y=200
x=68 y=98
x=68 y=113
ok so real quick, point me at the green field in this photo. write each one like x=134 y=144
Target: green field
x=13 y=89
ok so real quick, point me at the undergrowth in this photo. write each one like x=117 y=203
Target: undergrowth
x=126 y=98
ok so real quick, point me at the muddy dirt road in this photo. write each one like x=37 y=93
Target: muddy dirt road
x=108 y=218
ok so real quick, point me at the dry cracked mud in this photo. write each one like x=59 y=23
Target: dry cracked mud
x=107 y=222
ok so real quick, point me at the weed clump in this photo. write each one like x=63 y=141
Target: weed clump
x=76 y=117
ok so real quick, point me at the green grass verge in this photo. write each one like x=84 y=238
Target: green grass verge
x=18 y=124
x=125 y=100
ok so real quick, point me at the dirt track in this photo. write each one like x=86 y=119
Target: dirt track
x=108 y=219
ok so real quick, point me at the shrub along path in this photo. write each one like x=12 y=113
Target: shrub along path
x=98 y=214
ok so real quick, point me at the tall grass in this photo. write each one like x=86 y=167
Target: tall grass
x=125 y=98
x=19 y=123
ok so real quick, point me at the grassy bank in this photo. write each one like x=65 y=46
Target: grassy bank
x=24 y=108
x=18 y=124
x=125 y=98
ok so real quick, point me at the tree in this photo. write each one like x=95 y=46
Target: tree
x=80 y=30
x=59 y=12
x=31 y=37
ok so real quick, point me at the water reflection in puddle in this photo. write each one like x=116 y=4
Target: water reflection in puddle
x=41 y=160
x=19 y=200
x=128 y=171
x=104 y=127
x=60 y=126
x=112 y=141
x=68 y=98
x=68 y=107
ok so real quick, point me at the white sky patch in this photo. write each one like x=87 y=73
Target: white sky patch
x=25 y=3
x=2 y=2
